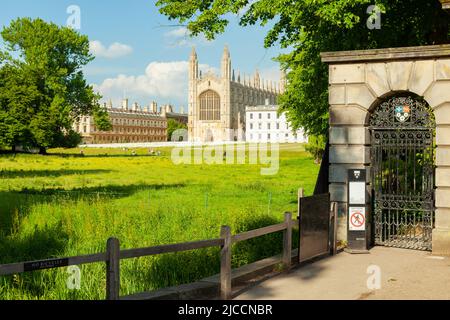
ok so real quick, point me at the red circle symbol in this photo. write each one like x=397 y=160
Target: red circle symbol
x=357 y=219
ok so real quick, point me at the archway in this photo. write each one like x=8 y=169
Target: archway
x=402 y=168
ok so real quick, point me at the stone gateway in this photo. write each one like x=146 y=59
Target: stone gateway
x=390 y=114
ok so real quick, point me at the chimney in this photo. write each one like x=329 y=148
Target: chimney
x=154 y=107
x=135 y=106
x=125 y=104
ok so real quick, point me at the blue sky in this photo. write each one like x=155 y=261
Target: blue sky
x=138 y=54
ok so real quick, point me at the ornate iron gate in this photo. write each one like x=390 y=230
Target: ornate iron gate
x=402 y=130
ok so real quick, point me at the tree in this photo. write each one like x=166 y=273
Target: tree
x=173 y=125
x=43 y=90
x=310 y=27
x=316 y=147
x=16 y=92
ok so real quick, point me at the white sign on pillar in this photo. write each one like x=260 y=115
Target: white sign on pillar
x=357 y=192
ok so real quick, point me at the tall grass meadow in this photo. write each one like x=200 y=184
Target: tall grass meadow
x=68 y=204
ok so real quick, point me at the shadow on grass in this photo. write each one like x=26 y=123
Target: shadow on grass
x=108 y=191
x=49 y=242
x=104 y=155
x=186 y=267
x=10 y=174
x=14 y=206
x=128 y=154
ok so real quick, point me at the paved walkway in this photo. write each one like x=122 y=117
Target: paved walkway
x=405 y=274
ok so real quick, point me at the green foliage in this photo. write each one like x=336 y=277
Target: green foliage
x=70 y=139
x=173 y=125
x=17 y=93
x=102 y=120
x=43 y=90
x=311 y=27
x=316 y=147
x=65 y=204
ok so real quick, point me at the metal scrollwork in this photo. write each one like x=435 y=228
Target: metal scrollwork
x=402 y=130
x=403 y=112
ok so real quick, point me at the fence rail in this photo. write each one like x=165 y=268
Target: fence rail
x=170 y=248
x=113 y=255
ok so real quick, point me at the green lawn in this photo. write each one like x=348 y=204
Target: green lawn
x=65 y=204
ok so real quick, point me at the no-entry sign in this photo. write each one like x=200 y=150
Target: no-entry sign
x=357 y=219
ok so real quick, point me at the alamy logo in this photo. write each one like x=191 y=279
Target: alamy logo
x=265 y=154
x=374 y=279
x=74 y=279
x=74 y=20
x=374 y=20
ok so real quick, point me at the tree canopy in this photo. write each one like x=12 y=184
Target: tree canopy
x=42 y=86
x=172 y=126
x=309 y=27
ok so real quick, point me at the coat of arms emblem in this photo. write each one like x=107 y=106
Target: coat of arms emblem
x=402 y=113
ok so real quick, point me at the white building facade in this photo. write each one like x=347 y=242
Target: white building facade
x=263 y=124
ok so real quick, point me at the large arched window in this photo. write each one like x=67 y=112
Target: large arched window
x=209 y=106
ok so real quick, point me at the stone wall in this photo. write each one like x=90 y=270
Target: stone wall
x=358 y=80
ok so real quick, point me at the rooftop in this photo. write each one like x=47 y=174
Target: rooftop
x=138 y=113
x=266 y=107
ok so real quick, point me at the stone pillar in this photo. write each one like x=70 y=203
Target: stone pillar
x=226 y=114
x=349 y=100
x=438 y=96
x=192 y=97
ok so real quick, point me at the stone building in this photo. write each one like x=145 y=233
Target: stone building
x=390 y=114
x=217 y=102
x=264 y=124
x=129 y=125
x=168 y=112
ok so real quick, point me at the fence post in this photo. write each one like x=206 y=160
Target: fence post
x=112 y=269
x=300 y=194
x=287 y=240
x=334 y=235
x=225 y=264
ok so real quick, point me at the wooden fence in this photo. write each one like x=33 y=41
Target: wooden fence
x=113 y=255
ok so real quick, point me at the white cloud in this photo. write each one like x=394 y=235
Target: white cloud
x=115 y=50
x=178 y=33
x=162 y=81
x=181 y=37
